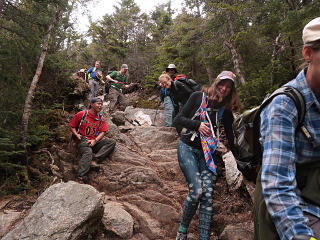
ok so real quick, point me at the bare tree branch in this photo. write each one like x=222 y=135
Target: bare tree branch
x=30 y=96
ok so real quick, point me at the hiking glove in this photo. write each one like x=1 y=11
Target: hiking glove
x=303 y=237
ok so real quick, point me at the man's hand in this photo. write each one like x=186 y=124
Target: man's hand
x=92 y=142
x=110 y=79
x=303 y=237
x=78 y=136
x=204 y=130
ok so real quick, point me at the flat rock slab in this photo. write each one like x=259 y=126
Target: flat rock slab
x=156 y=115
x=117 y=220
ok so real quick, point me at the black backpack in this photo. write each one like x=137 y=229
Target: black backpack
x=246 y=129
x=192 y=84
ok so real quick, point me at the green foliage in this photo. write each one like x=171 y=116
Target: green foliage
x=23 y=24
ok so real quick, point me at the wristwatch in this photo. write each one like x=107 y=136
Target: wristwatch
x=303 y=237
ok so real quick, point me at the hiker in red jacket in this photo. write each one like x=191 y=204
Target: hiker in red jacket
x=89 y=128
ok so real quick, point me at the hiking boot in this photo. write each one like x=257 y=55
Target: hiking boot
x=82 y=180
x=95 y=166
x=181 y=236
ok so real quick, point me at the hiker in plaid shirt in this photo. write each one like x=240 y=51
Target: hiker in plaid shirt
x=289 y=184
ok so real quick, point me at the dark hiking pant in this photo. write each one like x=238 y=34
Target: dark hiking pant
x=117 y=99
x=94 y=87
x=102 y=149
x=201 y=182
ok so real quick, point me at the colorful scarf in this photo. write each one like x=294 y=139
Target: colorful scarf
x=209 y=143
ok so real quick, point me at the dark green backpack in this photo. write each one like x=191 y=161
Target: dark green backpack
x=246 y=129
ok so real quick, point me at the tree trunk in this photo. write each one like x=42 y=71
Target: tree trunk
x=237 y=60
x=292 y=59
x=236 y=57
x=1 y=5
x=210 y=74
x=277 y=48
x=30 y=96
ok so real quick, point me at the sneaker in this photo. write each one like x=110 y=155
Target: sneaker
x=181 y=236
x=95 y=166
x=82 y=180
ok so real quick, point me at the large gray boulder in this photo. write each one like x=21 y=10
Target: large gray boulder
x=8 y=218
x=63 y=211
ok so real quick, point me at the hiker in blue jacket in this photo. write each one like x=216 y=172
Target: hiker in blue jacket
x=287 y=202
x=200 y=118
x=94 y=79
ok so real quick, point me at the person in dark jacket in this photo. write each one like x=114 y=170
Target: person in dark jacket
x=200 y=118
x=166 y=99
x=179 y=92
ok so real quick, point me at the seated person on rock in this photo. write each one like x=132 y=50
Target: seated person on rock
x=118 y=81
x=89 y=128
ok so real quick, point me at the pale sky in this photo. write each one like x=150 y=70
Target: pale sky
x=99 y=8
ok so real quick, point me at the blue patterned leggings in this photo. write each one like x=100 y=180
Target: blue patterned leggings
x=201 y=182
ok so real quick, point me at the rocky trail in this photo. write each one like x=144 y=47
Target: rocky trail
x=140 y=186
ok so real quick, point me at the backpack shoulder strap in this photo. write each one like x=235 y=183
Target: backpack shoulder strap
x=101 y=120
x=294 y=94
x=197 y=113
x=299 y=102
x=100 y=117
x=82 y=119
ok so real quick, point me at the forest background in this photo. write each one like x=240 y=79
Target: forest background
x=260 y=40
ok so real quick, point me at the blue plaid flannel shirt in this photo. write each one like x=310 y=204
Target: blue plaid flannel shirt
x=283 y=148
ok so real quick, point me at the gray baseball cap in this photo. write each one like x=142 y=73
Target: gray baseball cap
x=227 y=75
x=124 y=66
x=95 y=99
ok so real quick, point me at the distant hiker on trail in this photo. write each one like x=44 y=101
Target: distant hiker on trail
x=82 y=73
x=94 y=77
x=89 y=128
x=287 y=194
x=200 y=118
x=166 y=99
x=118 y=81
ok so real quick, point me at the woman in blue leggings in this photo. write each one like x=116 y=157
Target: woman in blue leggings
x=199 y=120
